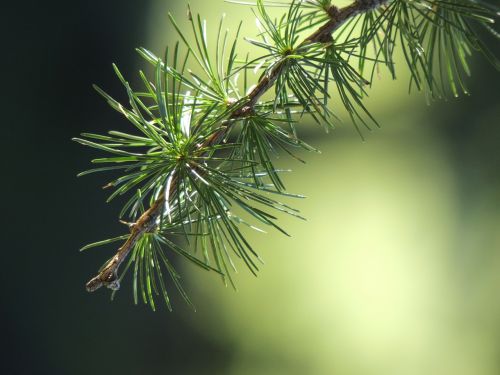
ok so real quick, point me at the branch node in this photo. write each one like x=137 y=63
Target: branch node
x=129 y=225
x=109 y=279
x=333 y=11
x=243 y=112
x=325 y=39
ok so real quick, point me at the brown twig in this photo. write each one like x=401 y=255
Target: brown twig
x=108 y=275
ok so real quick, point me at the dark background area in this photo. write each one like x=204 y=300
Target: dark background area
x=51 y=54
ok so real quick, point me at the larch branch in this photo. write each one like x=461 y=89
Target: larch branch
x=108 y=275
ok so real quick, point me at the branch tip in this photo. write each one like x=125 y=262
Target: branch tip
x=109 y=280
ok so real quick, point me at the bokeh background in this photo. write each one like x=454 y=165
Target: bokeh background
x=396 y=271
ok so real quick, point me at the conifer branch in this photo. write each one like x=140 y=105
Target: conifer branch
x=108 y=275
x=186 y=133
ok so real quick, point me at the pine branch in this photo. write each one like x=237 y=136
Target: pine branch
x=185 y=166
x=108 y=275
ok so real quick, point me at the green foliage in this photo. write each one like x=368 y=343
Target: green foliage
x=297 y=81
x=436 y=36
x=203 y=142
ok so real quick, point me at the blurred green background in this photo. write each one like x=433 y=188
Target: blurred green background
x=396 y=271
